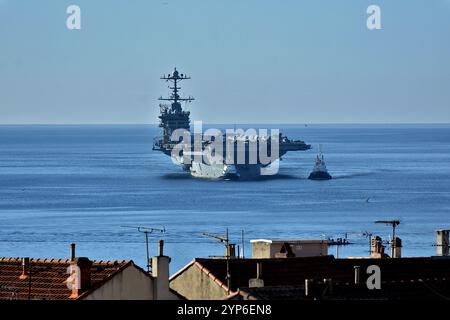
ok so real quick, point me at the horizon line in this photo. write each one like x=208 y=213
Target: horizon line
x=229 y=123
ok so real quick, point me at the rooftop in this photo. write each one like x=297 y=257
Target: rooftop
x=48 y=276
x=293 y=271
x=430 y=289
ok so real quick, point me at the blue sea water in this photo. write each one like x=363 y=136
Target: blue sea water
x=62 y=184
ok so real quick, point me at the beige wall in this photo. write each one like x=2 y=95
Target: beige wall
x=130 y=284
x=261 y=250
x=194 y=284
x=301 y=248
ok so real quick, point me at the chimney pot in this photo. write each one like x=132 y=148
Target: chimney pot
x=25 y=261
x=442 y=242
x=397 y=250
x=161 y=248
x=72 y=252
x=357 y=274
x=230 y=251
x=25 y=268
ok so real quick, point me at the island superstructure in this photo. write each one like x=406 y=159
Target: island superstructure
x=245 y=161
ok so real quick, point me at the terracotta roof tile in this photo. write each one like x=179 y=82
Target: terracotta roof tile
x=48 y=278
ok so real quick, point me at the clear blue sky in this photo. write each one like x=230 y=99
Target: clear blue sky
x=252 y=61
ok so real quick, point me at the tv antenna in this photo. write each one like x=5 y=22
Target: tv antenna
x=146 y=231
x=365 y=234
x=226 y=241
x=393 y=224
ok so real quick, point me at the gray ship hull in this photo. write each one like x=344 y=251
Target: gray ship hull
x=225 y=171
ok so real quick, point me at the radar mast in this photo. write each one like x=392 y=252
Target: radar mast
x=174 y=96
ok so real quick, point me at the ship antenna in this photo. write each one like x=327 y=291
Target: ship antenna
x=175 y=78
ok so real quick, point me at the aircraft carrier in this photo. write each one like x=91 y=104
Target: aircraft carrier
x=241 y=152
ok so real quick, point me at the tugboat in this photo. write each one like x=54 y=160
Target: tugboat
x=320 y=171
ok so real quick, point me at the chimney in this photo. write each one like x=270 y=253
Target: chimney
x=25 y=268
x=442 y=242
x=160 y=271
x=397 y=250
x=161 y=248
x=258 y=282
x=230 y=251
x=72 y=252
x=80 y=275
x=376 y=248
x=357 y=274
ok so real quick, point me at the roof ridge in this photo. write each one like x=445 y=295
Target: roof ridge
x=176 y=274
x=211 y=275
x=63 y=261
x=111 y=262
